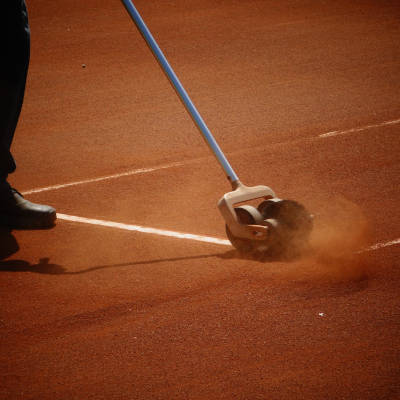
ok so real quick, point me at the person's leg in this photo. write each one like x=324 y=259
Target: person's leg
x=15 y=211
x=15 y=52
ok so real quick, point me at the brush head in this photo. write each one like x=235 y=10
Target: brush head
x=275 y=228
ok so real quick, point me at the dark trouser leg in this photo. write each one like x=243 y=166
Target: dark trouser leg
x=14 y=51
x=15 y=211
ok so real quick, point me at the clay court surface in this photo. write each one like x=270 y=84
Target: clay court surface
x=302 y=96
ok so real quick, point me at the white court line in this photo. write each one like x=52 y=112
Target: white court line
x=104 y=178
x=180 y=235
x=177 y=164
x=363 y=128
x=381 y=245
x=138 y=228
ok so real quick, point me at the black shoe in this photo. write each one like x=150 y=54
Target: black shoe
x=19 y=213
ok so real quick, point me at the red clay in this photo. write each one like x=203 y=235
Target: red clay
x=97 y=313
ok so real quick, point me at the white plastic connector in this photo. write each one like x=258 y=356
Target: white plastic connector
x=240 y=194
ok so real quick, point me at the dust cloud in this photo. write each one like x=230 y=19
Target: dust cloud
x=341 y=232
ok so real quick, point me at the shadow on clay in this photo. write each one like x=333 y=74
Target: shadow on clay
x=335 y=286
x=44 y=267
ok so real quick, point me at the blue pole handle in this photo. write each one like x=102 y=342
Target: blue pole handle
x=209 y=138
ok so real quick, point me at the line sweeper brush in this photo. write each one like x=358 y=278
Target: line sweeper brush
x=275 y=227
